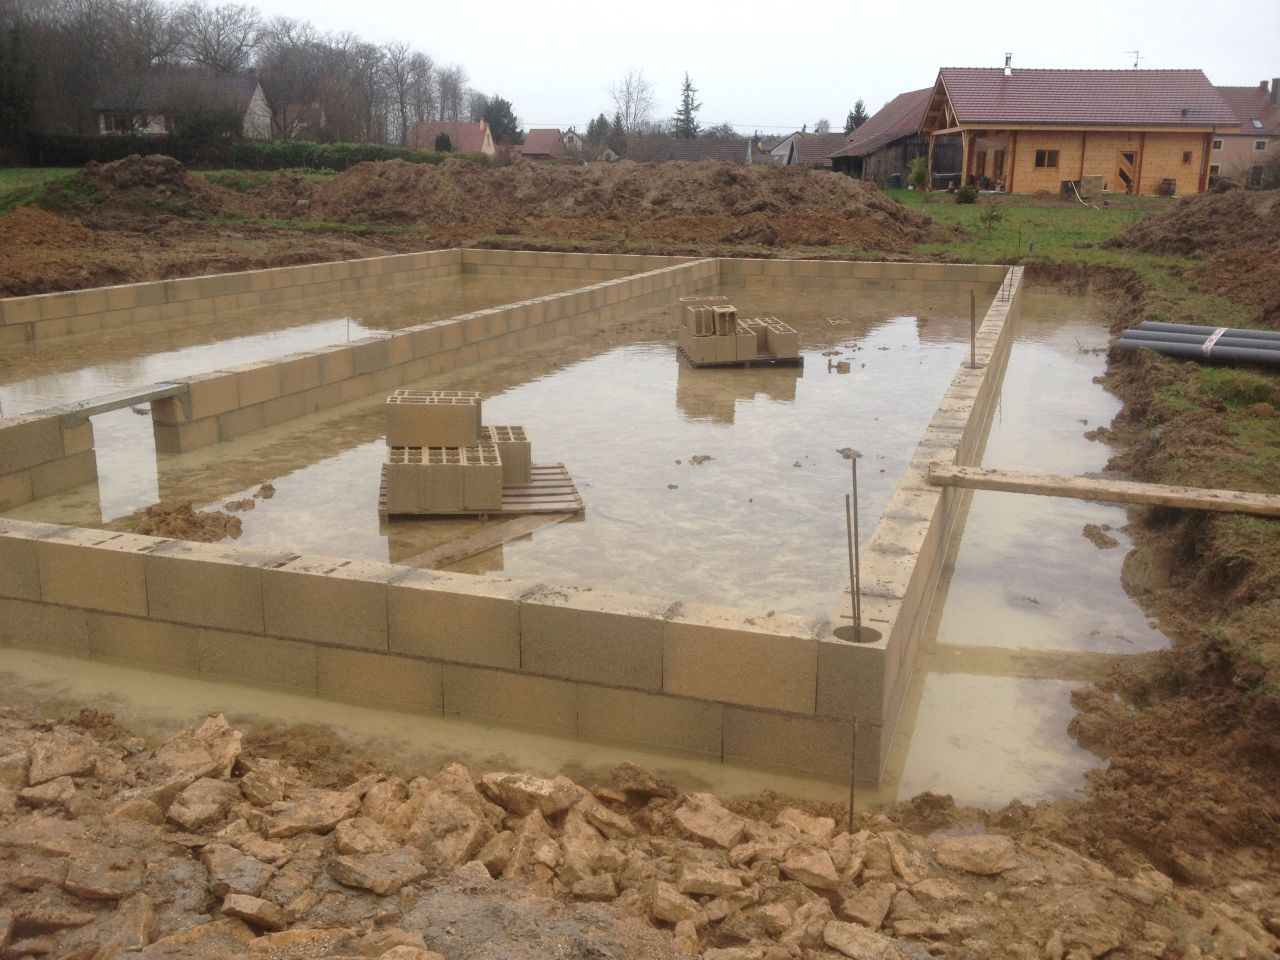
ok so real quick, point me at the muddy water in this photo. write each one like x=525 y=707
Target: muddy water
x=1033 y=608
x=36 y=376
x=759 y=524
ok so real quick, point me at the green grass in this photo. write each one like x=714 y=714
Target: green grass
x=242 y=181
x=305 y=226
x=22 y=185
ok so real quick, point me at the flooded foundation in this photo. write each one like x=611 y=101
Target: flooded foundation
x=714 y=498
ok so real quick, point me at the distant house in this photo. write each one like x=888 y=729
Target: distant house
x=463 y=137
x=301 y=121
x=815 y=149
x=1130 y=131
x=782 y=150
x=888 y=141
x=157 y=103
x=573 y=142
x=1241 y=153
x=542 y=144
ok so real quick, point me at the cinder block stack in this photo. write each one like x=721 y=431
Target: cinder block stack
x=440 y=458
x=713 y=334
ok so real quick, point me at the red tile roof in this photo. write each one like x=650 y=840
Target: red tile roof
x=900 y=117
x=817 y=147
x=984 y=95
x=466 y=137
x=543 y=143
x=1253 y=103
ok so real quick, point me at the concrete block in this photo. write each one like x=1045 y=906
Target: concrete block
x=170 y=646
x=94 y=569
x=810 y=744
x=209 y=585
x=77 y=438
x=180 y=438
x=593 y=636
x=481 y=477
x=379 y=678
x=65 y=474
x=19 y=572
x=782 y=339
x=356 y=388
x=239 y=422
x=433 y=418
x=328 y=600
x=211 y=394
x=248 y=658
x=851 y=679
x=746 y=345
x=283 y=409
x=336 y=364
x=43 y=627
x=512 y=698
x=702 y=349
x=257 y=382
x=726 y=319
x=726 y=348
x=672 y=723
x=370 y=354
x=723 y=654
x=514 y=450
x=28 y=440
x=455 y=617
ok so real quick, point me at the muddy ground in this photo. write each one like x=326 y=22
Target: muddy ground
x=1171 y=853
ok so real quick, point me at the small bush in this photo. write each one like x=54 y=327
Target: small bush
x=990 y=218
x=967 y=194
x=919 y=172
x=1238 y=388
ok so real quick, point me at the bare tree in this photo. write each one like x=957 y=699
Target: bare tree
x=222 y=38
x=397 y=66
x=633 y=99
x=422 y=86
x=291 y=58
x=822 y=126
x=451 y=92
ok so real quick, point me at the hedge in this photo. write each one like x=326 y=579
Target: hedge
x=75 y=151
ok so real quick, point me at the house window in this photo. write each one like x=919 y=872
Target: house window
x=1255 y=175
x=1046 y=158
x=1214 y=169
x=1186 y=156
x=1259 y=144
x=1257 y=124
x=1217 y=144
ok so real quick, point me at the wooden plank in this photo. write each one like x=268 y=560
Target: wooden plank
x=458 y=550
x=1109 y=491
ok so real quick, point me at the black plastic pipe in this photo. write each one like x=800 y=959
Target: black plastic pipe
x=1191 y=351
x=1207 y=331
x=1159 y=336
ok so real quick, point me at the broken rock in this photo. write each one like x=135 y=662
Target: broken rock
x=60 y=754
x=670 y=905
x=102 y=875
x=362 y=835
x=206 y=801
x=316 y=811
x=859 y=943
x=49 y=794
x=254 y=911
x=381 y=873
x=703 y=878
x=812 y=867
x=985 y=855
x=231 y=871
x=521 y=793
x=702 y=817
x=869 y=905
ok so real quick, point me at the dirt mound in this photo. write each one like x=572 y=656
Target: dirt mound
x=182 y=522
x=34 y=227
x=137 y=187
x=674 y=202
x=39 y=250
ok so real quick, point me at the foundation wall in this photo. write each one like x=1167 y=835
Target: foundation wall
x=902 y=564
x=44 y=453
x=735 y=684
x=872 y=275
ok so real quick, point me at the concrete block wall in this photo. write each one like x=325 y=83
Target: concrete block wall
x=578 y=268
x=871 y=275
x=44 y=453
x=902 y=564
x=727 y=683
x=40 y=316
x=225 y=404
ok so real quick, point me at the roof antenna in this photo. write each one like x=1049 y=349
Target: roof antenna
x=1137 y=56
x=1008 y=64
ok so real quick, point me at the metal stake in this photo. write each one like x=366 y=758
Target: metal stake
x=853 y=757
x=853 y=567
x=973 y=331
x=857 y=559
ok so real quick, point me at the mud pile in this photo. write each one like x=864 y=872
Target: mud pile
x=36 y=246
x=201 y=847
x=137 y=188
x=672 y=202
x=1236 y=231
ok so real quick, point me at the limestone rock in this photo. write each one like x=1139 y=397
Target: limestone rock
x=496 y=854
x=381 y=873
x=47 y=914
x=304 y=941
x=129 y=928
x=703 y=878
x=600 y=888
x=6 y=929
x=316 y=811
x=612 y=825
x=581 y=844
x=231 y=871
x=1147 y=887
x=985 y=855
x=817 y=830
x=522 y=793
x=13 y=769
x=938 y=890
x=254 y=911
x=869 y=905
x=140 y=809
x=362 y=835
x=209 y=750
x=50 y=793
x=702 y=817
x=384 y=799
x=685 y=938
x=445 y=822
x=634 y=779
x=906 y=862
x=267 y=851
x=61 y=753
x=206 y=801
x=43 y=834
x=668 y=904
x=406 y=952
x=102 y=874
x=812 y=867
x=807 y=924
x=858 y=943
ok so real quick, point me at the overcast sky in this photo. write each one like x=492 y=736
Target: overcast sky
x=775 y=66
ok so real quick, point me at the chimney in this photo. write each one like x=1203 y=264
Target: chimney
x=1275 y=91
x=1008 y=64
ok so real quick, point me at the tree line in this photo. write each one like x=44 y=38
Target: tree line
x=58 y=56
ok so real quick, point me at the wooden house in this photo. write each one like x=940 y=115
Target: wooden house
x=888 y=141
x=1022 y=131
x=158 y=103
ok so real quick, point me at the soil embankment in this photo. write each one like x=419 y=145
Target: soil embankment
x=149 y=218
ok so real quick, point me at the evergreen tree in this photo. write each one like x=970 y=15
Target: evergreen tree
x=598 y=130
x=857 y=117
x=17 y=92
x=618 y=135
x=685 y=123
x=503 y=123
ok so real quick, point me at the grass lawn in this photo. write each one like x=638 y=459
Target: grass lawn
x=21 y=185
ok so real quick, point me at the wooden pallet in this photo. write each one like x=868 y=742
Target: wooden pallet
x=761 y=360
x=550 y=490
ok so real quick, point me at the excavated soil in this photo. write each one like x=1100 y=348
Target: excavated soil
x=152 y=219
x=183 y=522
x=1236 y=231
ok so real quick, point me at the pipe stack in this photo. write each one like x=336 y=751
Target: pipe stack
x=1204 y=344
